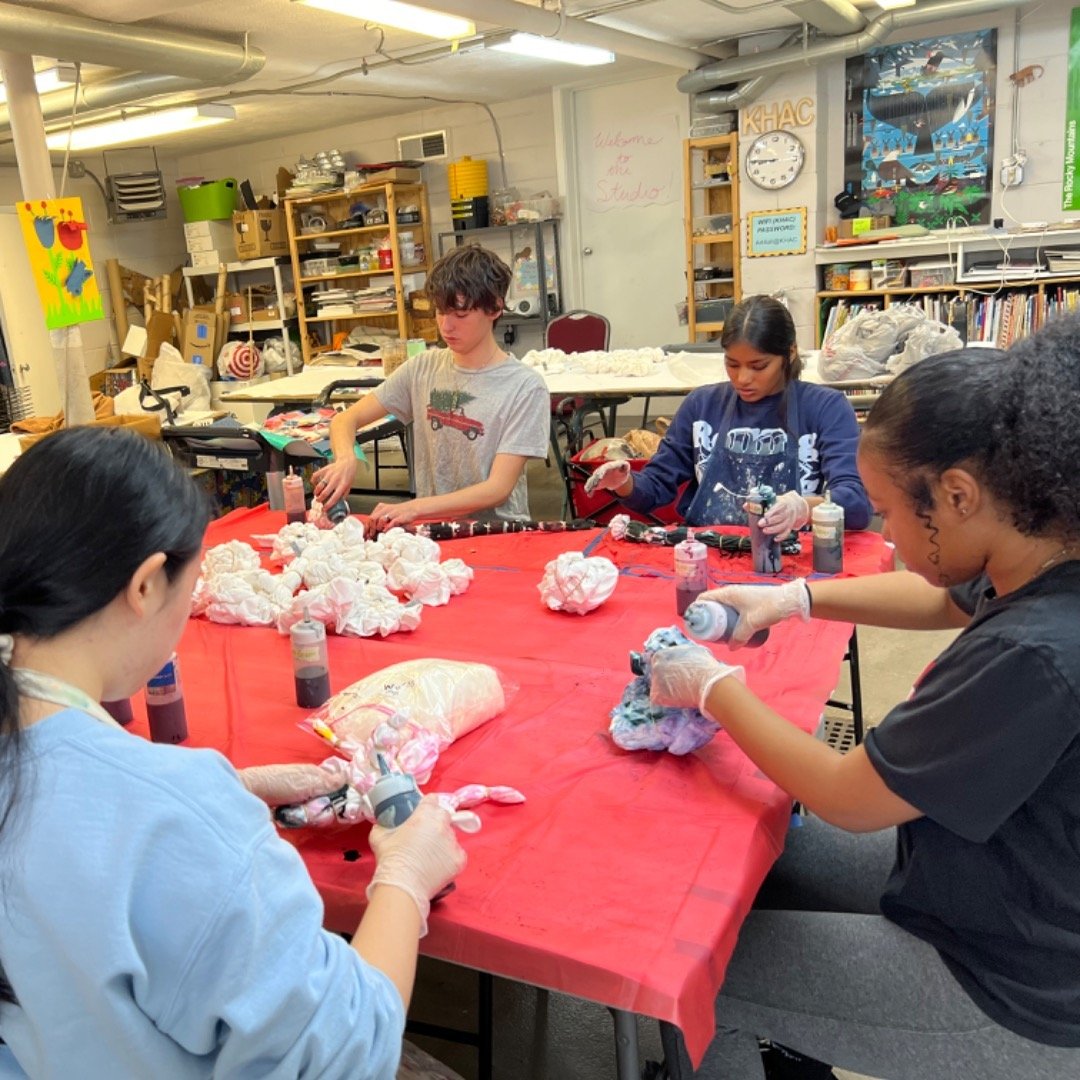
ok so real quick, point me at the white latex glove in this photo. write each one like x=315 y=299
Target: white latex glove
x=681 y=677
x=610 y=475
x=420 y=857
x=281 y=785
x=790 y=511
x=760 y=606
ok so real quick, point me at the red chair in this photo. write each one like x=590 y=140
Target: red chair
x=577 y=331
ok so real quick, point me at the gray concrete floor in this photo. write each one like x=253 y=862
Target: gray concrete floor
x=548 y=1036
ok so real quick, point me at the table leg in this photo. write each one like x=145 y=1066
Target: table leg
x=627 y=1057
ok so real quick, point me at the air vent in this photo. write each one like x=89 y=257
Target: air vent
x=427 y=146
x=135 y=195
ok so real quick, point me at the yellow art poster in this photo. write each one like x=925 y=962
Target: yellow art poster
x=54 y=231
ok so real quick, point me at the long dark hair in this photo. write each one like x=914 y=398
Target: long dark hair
x=767 y=325
x=946 y=411
x=79 y=513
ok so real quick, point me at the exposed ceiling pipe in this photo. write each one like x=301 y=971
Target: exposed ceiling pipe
x=714 y=102
x=130 y=47
x=741 y=68
x=721 y=101
x=544 y=23
x=829 y=16
x=106 y=93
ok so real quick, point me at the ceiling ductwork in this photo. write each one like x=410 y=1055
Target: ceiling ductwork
x=752 y=66
x=158 y=61
x=833 y=17
x=545 y=23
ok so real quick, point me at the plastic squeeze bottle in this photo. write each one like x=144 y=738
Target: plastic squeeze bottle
x=394 y=797
x=709 y=620
x=165 y=704
x=119 y=710
x=311 y=669
x=827 y=520
x=764 y=550
x=295 y=510
x=691 y=571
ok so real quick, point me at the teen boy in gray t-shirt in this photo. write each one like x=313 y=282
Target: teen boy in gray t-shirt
x=478 y=415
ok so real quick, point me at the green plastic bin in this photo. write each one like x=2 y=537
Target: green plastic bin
x=209 y=201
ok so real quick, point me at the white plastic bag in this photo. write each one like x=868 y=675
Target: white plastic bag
x=409 y=712
x=171 y=369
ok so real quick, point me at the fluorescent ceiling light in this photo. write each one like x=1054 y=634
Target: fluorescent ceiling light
x=888 y=5
x=545 y=48
x=142 y=127
x=419 y=20
x=48 y=79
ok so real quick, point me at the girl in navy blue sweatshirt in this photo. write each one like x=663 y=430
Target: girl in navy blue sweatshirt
x=763 y=426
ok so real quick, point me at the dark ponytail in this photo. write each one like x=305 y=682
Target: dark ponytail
x=79 y=513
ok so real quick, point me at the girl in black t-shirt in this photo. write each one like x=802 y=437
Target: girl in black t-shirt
x=943 y=938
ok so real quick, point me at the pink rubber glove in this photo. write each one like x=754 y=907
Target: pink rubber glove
x=608 y=477
x=420 y=857
x=682 y=676
x=790 y=511
x=760 y=606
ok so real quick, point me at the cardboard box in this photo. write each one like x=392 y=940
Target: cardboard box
x=208 y=235
x=396 y=175
x=199 y=334
x=260 y=233
x=236 y=307
x=849 y=228
x=214 y=258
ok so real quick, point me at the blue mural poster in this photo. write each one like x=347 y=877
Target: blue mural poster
x=918 y=129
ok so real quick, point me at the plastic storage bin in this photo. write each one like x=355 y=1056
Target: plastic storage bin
x=209 y=201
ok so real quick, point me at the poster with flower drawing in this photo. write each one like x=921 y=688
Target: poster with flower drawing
x=55 y=234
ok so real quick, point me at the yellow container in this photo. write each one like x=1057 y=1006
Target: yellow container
x=468 y=178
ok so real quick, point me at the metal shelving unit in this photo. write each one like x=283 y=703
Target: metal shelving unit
x=508 y=241
x=264 y=270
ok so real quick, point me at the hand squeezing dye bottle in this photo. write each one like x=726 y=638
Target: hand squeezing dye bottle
x=393 y=798
x=691 y=571
x=764 y=549
x=709 y=620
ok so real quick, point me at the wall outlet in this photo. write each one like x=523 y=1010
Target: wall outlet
x=1012 y=170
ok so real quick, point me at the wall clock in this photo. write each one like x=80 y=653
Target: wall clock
x=774 y=160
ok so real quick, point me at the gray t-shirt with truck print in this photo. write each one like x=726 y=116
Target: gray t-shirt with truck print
x=461 y=419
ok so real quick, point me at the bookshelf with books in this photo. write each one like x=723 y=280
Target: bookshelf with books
x=990 y=288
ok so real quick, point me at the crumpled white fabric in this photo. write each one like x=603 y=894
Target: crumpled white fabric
x=577 y=584
x=634 y=362
x=397 y=544
x=229 y=557
x=289 y=541
x=247 y=597
x=345 y=580
x=427 y=582
x=352 y=607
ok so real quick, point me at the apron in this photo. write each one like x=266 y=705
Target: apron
x=740 y=460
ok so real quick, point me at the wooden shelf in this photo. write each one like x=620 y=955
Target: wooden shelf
x=419 y=268
x=711 y=198
x=358 y=231
x=388 y=313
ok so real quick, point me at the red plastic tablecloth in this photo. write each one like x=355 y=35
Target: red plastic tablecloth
x=625 y=876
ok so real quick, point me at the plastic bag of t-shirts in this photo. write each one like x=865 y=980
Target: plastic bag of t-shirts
x=861 y=348
x=171 y=369
x=927 y=339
